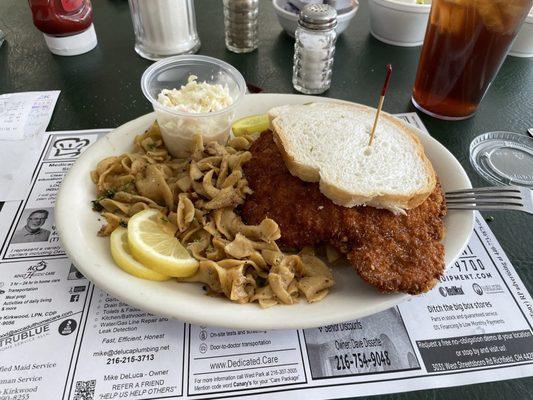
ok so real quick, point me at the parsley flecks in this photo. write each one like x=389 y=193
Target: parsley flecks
x=96 y=206
x=108 y=194
x=123 y=223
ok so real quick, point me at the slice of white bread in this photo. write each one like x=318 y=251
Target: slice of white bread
x=328 y=143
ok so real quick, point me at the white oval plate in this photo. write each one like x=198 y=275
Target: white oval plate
x=351 y=298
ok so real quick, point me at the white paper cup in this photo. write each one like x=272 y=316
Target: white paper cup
x=523 y=44
x=398 y=23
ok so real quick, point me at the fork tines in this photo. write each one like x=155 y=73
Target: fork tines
x=490 y=198
x=490 y=189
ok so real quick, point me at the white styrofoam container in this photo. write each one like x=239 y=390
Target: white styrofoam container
x=398 y=23
x=523 y=44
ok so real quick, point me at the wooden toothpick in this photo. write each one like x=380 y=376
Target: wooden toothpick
x=380 y=104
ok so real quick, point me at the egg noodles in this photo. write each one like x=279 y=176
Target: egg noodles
x=200 y=196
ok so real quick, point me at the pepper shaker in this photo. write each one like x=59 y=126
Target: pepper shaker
x=240 y=25
x=314 y=49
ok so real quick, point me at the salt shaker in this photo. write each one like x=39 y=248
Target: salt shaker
x=240 y=25
x=314 y=49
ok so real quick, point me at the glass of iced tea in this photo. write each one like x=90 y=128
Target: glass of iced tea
x=465 y=45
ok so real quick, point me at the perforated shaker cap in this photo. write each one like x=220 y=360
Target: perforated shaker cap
x=320 y=17
x=503 y=158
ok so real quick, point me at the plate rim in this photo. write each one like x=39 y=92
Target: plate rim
x=91 y=272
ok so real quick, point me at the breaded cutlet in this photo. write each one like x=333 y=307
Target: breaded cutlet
x=395 y=253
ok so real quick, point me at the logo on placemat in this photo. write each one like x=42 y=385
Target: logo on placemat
x=77 y=289
x=491 y=289
x=67 y=327
x=69 y=147
x=451 y=291
x=477 y=289
x=35 y=270
x=74 y=274
x=15 y=338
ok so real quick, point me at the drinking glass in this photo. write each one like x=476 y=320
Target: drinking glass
x=164 y=28
x=465 y=44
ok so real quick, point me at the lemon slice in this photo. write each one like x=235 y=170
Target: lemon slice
x=120 y=251
x=250 y=124
x=152 y=242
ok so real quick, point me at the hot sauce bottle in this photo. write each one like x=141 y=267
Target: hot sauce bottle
x=67 y=25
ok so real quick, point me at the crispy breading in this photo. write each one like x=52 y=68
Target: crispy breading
x=395 y=253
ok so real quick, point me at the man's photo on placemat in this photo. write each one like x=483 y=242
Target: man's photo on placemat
x=34 y=226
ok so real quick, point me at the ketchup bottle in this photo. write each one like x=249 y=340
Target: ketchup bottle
x=67 y=25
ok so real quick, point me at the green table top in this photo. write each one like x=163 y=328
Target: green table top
x=101 y=89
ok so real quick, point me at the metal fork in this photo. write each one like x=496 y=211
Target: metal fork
x=495 y=198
